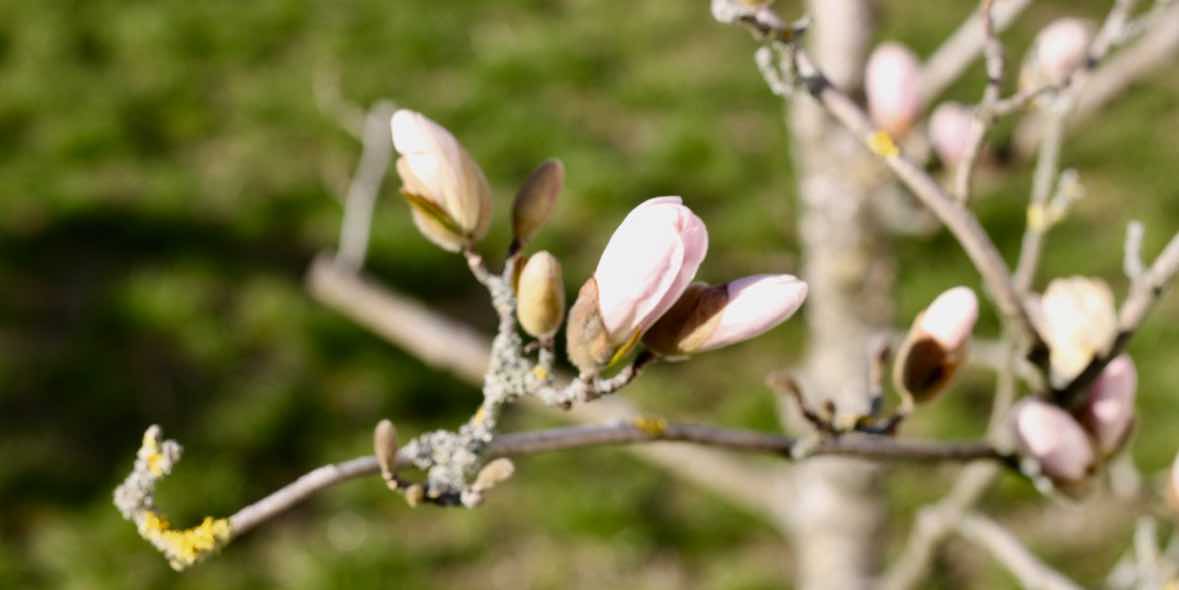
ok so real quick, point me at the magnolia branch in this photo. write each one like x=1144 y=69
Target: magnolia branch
x=455 y=347
x=959 y=220
x=956 y=54
x=636 y=431
x=984 y=115
x=1007 y=550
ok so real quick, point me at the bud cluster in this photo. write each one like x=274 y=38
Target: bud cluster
x=641 y=291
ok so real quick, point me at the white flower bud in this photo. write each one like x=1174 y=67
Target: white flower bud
x=1079 y=322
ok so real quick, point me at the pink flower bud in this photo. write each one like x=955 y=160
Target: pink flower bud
x=936 y=344
x=706 y=318
x=1060 y=48
x=756 y=304
x=447 y=190
x=951 y=131
x=893 y=85
x=649 y=261
x=1049 y=435
x=1108 y=414
x=646 y=266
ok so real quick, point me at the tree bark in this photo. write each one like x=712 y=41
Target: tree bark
x=833 y=508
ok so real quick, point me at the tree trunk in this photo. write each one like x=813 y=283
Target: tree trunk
x=833 y=508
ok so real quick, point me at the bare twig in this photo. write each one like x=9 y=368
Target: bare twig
x=984 y=114
x=961 y=48
x=1037 y=219
x=1006 y=549
x=1132 y=259
x=957 y=218
x=365 y=185
x=636 y=431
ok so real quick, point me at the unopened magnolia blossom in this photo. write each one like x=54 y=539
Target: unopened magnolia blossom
x=892 y=82
x=1108 y=413
x=1057 y=52
x=1080 y=322
x=447 y=191
x=951 y=131
x=540 y=305
x=647 y=264
x=1054 y=439
x=710 y=317
x=936 y=344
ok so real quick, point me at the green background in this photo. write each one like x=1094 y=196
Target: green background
x=166 y=177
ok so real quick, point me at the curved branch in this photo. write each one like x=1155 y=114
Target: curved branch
x=1006 y=549
x=958 y=219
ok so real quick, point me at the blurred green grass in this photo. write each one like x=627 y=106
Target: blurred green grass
x=167 y=177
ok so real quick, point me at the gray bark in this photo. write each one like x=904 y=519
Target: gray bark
x=833 y=508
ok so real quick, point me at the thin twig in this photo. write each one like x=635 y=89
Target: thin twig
x=959 y=220
x=961 y=48
x=1037 y=219
x=638 y=431
x=984 y=114
x=1006 y=549
x=366 y=185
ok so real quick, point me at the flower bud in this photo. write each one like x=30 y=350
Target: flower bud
x=706 y=318
x=936 y=344
x=540 y=296
x=1108 y=413
x=1058 y=51
x=951 y=131
x=446 y=189
x=385 y=448
x=1049 y=435
x=1079 y=323
x=892 y=83
x=646 y=266
x=535 y=200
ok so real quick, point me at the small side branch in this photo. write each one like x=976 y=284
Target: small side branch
x=1006 y=549
x=984 y=114
x=956 y=54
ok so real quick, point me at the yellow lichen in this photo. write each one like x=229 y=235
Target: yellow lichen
x=185 y=547
x=653 y=426
x=540 y=373
x=882 y=144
